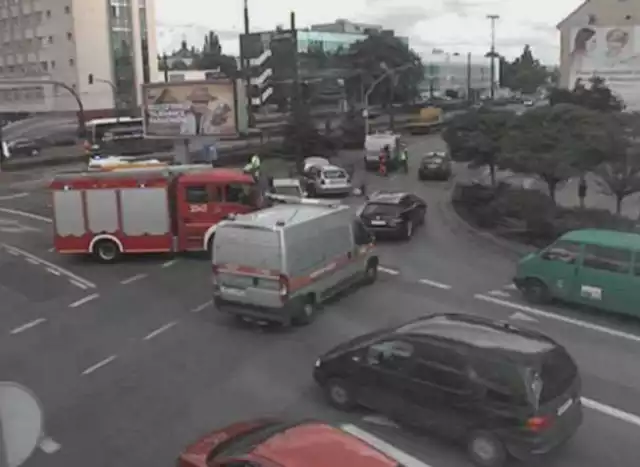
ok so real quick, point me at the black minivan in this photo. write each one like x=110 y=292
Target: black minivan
x=499 y=389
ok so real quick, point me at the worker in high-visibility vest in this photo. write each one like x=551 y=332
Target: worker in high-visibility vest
x=253 y=167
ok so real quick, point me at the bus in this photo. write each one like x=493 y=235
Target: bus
x=121 y=136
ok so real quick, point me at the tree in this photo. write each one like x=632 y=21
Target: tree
x=594 y=95
x=476 y=137
x=556 y=143
x=619 y=179
x=301 y=136
x=378 y=53
x=524 y=74
x=212 y=58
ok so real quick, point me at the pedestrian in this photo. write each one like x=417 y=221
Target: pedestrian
x=404 y=159
x=382 y=168
x=253 y=167
x=582 y=191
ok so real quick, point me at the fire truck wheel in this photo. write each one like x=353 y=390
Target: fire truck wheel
x=106 y=251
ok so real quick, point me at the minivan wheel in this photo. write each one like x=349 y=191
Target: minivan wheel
x=371 y=273
x=339 y=394
x=486 y=450
x=306 y=313
x=535 y=291
x=106 y=251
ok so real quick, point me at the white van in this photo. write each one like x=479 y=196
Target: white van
x=281 y=263
x=373 y=146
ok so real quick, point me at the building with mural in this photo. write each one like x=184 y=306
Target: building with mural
x=602 y=38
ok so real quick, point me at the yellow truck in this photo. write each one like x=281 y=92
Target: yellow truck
x=429 y=119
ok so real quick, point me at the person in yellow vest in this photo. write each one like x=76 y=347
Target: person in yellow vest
x=253 y=167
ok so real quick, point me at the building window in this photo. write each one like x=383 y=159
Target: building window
x=72 y=62
x=48 y=13
x=67 y=9
x=592 y=19
x=69 y=36
x=50 y=39
x=44 y=66
x=53 y=64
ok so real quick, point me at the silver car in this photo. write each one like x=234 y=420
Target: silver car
x=327 y=180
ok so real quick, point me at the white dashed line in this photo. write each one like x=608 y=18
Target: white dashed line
x=28 y=215
x=35 y=260
x=13 y=196
x=78 y=284
x=202 y=307
x=12 y=252
x=159 y=331
x=499 y=293
x=84 y=300
x=132 y=279
x=393 y=272
x=49 y=446
x=99 y=365
x=564 y=319
x=27 y=326
x=55 y=272
x=438 y=285
x=169 y=263
x=611 y=411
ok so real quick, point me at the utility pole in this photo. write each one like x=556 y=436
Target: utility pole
x=469 y=88
x=493 y=19
x=246 y=64
x=114 y=90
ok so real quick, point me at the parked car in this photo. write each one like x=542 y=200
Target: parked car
x=394 y=214
x=271 y=443
x=497 y=389
x=322 y=179
x=435 y=165
x=23 y=147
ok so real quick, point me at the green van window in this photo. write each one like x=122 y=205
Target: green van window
x=607 y=259
x=563 y=251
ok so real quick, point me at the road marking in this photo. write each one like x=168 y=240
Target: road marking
x=49 y=446
x=159 y=331
x=28 y=215
x=33 y=261
x=169 y=263
x=27 y=326
x=393 y=272
x=12 y=252
x=396 y=454
x=84 y=300
x=78 y=284
x=132 y=279
x=438 y=285
x=564 y=319
x=13 y=196
x=55 y=272
x=523 y=317
x=202 y=307
x=499 y=293
x=98 y=365
x=611 y=411
x=44 y=262
x=380 y=420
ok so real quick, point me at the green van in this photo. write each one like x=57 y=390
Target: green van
x=599 y=268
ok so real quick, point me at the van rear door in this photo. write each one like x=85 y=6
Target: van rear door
x=247 y=263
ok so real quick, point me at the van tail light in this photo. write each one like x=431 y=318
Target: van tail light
x=284 y=287
x=538 y=424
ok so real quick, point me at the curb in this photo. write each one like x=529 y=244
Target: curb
x=451 y=216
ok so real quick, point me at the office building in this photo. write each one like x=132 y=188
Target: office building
x=456 y=72
x=602 y=37
x=66 y=41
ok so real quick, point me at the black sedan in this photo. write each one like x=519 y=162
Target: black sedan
x=394 y=214
x=435 y=165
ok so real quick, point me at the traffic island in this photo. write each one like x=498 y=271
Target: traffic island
x=523 y=220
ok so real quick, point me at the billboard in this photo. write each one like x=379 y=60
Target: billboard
x=188 y=109
x=611 y=53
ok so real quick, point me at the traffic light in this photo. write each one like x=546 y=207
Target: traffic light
x=90 y=78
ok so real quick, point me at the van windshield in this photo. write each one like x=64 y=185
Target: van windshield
x=247 y=246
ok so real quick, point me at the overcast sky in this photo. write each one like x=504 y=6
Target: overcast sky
x=453 y=25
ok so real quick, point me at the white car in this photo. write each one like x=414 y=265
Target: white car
x=315 y=162
x=327 y=180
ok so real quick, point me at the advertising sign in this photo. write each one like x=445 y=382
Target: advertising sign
x=187 y=109
x=611 y=53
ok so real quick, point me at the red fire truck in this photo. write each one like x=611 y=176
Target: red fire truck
x=147 y=210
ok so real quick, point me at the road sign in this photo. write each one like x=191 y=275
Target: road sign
x=21 y=424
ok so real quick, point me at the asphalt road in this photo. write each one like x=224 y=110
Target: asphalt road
x=131 y=363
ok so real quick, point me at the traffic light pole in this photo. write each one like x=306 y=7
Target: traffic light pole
x=81 y=116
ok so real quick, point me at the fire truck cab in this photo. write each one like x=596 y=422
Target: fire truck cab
x=147 y=210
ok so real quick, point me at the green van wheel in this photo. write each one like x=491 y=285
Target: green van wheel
x=536 y=291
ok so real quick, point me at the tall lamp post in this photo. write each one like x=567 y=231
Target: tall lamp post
x=492 y=53
x=388 y=72
x=114 y=89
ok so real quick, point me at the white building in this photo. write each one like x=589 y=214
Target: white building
x=345 y=26
x=457 y=72
x=65 y=41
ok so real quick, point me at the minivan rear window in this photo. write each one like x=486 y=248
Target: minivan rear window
x=380 y=209
x=333 y=174
x=248 y=247
x=557 y=374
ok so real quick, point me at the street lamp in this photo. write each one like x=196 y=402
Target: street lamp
x=92 y=79
x=388 y=72
x=493 y=19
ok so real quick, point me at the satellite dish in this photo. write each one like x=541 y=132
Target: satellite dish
x=21 y=424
